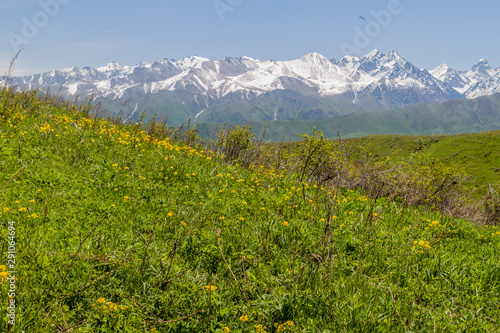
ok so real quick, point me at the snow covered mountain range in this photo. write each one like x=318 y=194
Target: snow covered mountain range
x=233 y=89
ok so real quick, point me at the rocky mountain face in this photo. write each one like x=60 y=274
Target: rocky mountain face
x=234 y=89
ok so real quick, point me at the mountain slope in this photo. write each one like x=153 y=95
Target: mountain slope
x=453 y=117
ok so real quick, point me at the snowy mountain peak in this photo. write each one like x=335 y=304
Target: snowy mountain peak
x=394 y=55
x=112 y=66
x=374 y=54
x=191 y=62
x=441 y=70
x=350 y=58
x=69 y=69
x=313 y=55
x=315 y=58
x=481 y=66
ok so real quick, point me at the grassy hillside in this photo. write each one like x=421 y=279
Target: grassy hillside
x=119 y=229
x=453 y=117
x=478 y=154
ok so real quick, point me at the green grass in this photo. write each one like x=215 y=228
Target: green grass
x=117 y=230
x=478 y=154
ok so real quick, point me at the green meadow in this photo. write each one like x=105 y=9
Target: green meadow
x=478 y=154
x=121 y=228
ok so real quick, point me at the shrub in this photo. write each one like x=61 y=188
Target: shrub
x=492 y=206
x=231 y=143
x=319 y=159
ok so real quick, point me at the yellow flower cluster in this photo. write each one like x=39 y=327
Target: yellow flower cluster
x=285 y=326
x=210 y=289
x=45 y=128
x=422 y=243
x=3 y=274
x=244 y=318
x=260 y=328
x=109 y=306
x=433 y=224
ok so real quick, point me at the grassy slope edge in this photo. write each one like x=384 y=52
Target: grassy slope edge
x=120 y=230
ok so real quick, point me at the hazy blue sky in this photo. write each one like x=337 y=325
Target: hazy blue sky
x=93 y=33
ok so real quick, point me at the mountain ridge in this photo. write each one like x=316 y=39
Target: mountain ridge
x=375 y=82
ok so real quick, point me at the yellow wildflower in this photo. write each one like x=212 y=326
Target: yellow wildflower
x=244 y=318
x=3 y=276
x=260 y=328
x=210 y=289
x=112 y=306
